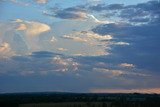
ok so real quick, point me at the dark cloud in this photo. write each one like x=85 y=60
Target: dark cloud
x=143 y=12
x=43 y=54
x=129 y=66
x=148 y=12
x=69 y=13
x=144 y=44
x=102 y=7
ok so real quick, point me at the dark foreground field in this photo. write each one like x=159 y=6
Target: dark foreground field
x=78 y=100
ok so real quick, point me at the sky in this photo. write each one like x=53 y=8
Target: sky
x=82 y=46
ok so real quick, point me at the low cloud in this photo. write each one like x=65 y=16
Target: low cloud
x=119 y=72
x=141 y=90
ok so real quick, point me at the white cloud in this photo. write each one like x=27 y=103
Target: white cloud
x=91 y=41
x=119 y=72
x=126 y=65
x=42 y=1
x=121 y=43
x=92 y=17
x=85 y=36
x=53 y=39
x=99 y=37
x=62 y=49
x=65 y=64
x=77 y=39
x=109 y=72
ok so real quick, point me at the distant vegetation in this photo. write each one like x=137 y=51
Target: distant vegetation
x=79 y=100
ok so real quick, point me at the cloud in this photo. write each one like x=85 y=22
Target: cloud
x=109 y=72
x=18 y=20
x=85 y=36
x=62 y=49
x=26 y=73
x=31 y=31
x=92 y=17
x=88 y=39
x=4 y=47
x=39 y=63
x=126 y=65
x=122 y=55
x=121 y=43
x=65 y=64
x=142 y=40
x=142 y=13
x=35 y=28
x=78 y=70
x=120 y=72
x=147 y=90
x=103 y=7
x=31 y=28
x=75 y=13
x=42 y=1
x=5 y=50
x=28 y=2
x=71 y=13
x=22 y=27
x=53 y=39
x=42 y=54
x=77 y=39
